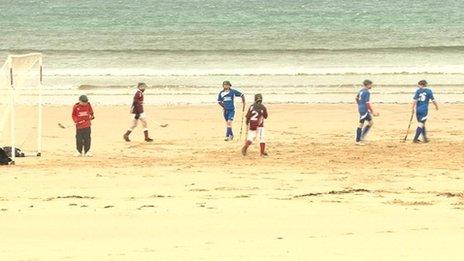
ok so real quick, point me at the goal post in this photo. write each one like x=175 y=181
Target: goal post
x=21 y=80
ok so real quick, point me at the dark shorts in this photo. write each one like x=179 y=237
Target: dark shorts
x=422 y=116
x=365 y=117
x=229 y=115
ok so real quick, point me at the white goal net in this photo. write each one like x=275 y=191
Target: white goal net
x=21 y=103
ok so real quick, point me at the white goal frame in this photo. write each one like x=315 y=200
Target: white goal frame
x=12 y=103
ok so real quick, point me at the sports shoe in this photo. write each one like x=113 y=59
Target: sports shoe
x=77 y=154
x=148 y=139
x=126 y=135
x=359 y=143
x=416 y=141
x=88 y=154
x=264 y=154
x=426 y=140
x=244 y=151
x=226 y=139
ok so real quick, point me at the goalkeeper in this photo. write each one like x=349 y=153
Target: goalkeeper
x=82 y=116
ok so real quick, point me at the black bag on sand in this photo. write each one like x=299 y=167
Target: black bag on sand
x=18 y=152
x=4 y=159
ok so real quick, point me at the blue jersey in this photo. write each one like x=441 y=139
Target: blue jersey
x=227 y=98
x=363 y=97
x=423 y=97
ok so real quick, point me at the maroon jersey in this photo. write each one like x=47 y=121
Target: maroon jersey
x=137 y=104
x=256 y=115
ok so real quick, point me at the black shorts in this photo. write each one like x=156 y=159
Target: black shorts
x=365 y=117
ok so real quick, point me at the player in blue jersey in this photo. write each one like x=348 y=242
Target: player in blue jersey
x=363 y=99
x=422 y=97
x=226 y=101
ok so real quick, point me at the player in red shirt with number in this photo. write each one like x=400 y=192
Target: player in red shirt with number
x=139 y=115
x=255 y=124
x=82 y=116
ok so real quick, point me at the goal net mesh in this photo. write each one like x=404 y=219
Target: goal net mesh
x=20 y=102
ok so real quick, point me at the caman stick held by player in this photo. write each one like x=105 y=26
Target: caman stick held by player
x=63 y=126
x=409 y=126
x=241 y=123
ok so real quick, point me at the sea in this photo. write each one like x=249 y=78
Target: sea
x=292 y=51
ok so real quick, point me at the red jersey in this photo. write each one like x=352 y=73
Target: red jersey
x=82 y=115
x=256 y=115
x=137 y=104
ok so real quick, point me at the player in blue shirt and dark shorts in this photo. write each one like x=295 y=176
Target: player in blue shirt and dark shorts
x=422 y=97
x=363 y=99
x=226 y=101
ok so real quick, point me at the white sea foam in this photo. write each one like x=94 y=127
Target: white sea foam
x=452 y=69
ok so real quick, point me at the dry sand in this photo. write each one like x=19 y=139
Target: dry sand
x=192 y=196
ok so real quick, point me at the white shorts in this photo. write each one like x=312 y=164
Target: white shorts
x=142 y=116
x=259 y=132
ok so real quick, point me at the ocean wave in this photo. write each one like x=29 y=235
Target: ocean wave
x=449 y=48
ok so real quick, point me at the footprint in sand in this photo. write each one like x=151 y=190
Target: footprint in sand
x=69 y=197
x=145 y=206
x=409 y=203
x=199 y=190
x=386 y=232
x=242 y=196
x=160 y=196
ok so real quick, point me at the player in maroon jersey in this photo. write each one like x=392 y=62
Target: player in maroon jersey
x=139 y=115
x=255 y=124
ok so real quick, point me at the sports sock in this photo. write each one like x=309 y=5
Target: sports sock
x=365 y=131
x=358 y=134
x=263 y=147
x=424 y=134
x=229 y=130
x=418 y=133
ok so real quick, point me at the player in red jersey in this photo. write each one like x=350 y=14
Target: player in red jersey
x=82 y=116
x=255 y=124
x=139 y=115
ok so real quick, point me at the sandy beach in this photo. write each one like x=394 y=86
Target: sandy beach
x=192 y=196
